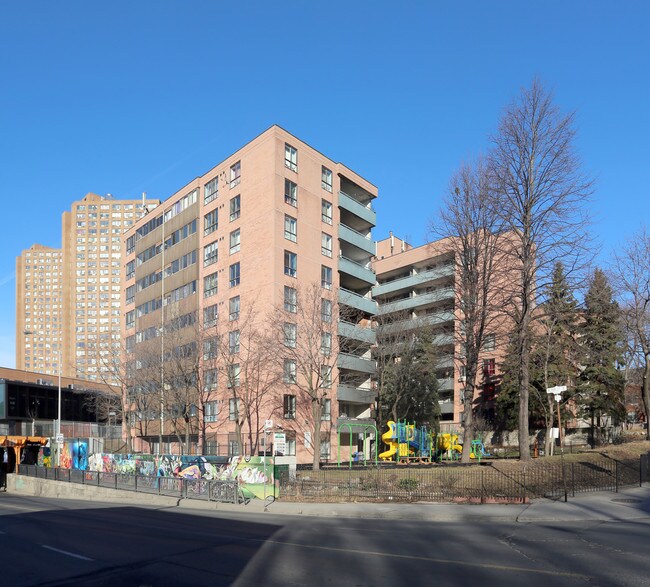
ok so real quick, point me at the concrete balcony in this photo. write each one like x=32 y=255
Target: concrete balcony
x=446 y=406
x=416 y=301
x=356 y=332
x=357 y=270
x=355 y=395
x=420 y=322
x=349 y=235
x=445 y=384
x=413 y=280
x=355 y=363
x=351 y=205
x=353 y=300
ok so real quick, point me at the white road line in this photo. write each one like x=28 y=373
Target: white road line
x=72 y=554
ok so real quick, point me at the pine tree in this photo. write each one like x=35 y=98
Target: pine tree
x=600 y=389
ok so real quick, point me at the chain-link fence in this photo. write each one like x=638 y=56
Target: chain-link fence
x=209 y=490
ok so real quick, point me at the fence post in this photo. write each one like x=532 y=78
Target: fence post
x=136 y=483
x=523 y=485
x=115 y=480
x=573 y=479
x=616 y=476
x=482 y=486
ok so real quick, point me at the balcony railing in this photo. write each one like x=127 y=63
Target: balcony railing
x=364 y=273
x=349 y=235
x=413 y=281
x=364 y=212
x=356 y=332
x=356 y=301
x=355 y=363
x=416 y=301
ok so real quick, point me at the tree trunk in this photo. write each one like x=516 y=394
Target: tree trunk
x=468 y=422
x=550 y=421
x=524 y=390
x=316 y=414
x=645 y=395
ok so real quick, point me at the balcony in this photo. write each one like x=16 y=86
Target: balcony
x=445 y=384
x=355 y=395
x=351 y=205
x=416 y=301
x=446 y=406
x=357 y=271
x=355 y=363
x=353 y=300
x=349 y=235
x=357 y=332
x=413 y=280
x=420 y=322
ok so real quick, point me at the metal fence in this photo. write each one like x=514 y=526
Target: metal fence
x=477 y=483
x=208 y=490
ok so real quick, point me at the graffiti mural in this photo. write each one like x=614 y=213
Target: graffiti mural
x=255 y=476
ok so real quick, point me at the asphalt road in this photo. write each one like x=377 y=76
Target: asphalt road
x=64 y=542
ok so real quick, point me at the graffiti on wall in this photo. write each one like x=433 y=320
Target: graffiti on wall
x=255 y=476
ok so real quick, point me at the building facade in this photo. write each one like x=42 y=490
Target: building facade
x=236 y=250
x=68 y=299
x=417 y=288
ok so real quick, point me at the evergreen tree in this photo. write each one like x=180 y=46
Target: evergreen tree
x=411 y=386
x=601 y=384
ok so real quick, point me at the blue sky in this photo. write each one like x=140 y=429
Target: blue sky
x=123 y=97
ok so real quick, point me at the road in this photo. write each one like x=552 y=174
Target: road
x=47 y=541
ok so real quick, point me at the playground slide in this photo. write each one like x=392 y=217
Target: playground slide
x=387 y=437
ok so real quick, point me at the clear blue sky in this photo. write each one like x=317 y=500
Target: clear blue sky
x=123 y=97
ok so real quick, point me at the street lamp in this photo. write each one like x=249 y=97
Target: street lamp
x=557 y=394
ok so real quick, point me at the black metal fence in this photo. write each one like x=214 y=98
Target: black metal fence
x=208 y=490
x=479 y=484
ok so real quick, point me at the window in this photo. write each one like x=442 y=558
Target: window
x=290 y=193
x=290 y=157
x=326 y=244
x=235 y=208
x=210 y=285
x=210 y=315
x=289 y=371
x=289 y=407
x=489 y=342
x=130 y=294
x=290 y=335
x=210 y=222
x=326 y=310
x=290 y=228
x=326 y=179
x=233 y=308
x=210 y=347
x=211 y=190
x=233 y=342
x=489 y=367
x=210 y=254
x=325 y=449
x=234 y=372
x=210 y=410
x=326 y=411
x=290 y=299
x=130 y=319
x=234 y=409
x=326 y=277
x=235 y=276
x=326 y=212
x=235 y=241
x=326 y=376
x=290 y=264
x=235 y=174
x=326 y=343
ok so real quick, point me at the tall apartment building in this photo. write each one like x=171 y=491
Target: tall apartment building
x=39 y=309
x=416 y=288
x=274 y=218
x=68 y=299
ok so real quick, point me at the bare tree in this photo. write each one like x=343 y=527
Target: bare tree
x=631 y=274
x=469 y=220
x=541 y=197
x=307 y=334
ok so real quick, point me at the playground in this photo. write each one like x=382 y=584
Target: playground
x=409 y=443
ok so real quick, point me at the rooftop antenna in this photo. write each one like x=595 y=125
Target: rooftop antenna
x=144 y=206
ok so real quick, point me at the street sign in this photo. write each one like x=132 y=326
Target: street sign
x=268 y=424
x=59 y=438
x=279 y=443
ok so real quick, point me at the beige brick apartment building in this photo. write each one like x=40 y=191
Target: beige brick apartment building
x=68 y=299
x=241 y=243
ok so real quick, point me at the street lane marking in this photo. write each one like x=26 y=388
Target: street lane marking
x=72 y=554
x=436 y=560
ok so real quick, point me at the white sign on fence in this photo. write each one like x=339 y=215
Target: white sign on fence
x=59 y=439
x=279 y=443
